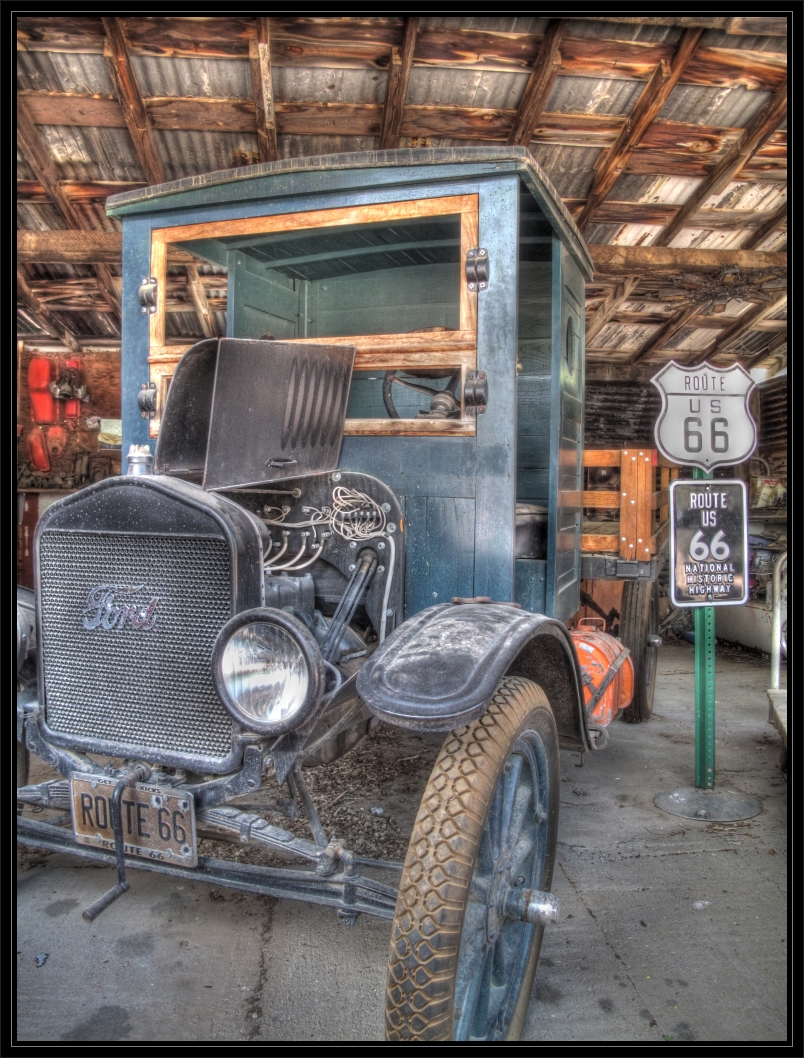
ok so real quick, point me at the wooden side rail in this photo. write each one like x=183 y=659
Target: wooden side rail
x=642 y=500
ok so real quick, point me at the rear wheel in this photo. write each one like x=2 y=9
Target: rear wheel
x=461 y=963
x=639 y=631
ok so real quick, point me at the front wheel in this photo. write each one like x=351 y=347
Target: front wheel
x=462 y=961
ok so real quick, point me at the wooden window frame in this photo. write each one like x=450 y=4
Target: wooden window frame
x=384 y=352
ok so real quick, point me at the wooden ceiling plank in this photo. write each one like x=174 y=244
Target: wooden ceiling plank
x=772 y=224
x=399 y=67
x=603 y=314
x=763 y=126
x=118 y=61
x=655 y=94
x=259 y=51
x=43 y=313
x=540 y=84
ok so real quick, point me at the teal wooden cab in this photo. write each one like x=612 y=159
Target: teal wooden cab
x=453 y=268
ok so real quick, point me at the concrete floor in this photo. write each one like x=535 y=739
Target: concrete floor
x=669 y=930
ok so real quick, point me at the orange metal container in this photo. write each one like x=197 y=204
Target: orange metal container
x=597 y=653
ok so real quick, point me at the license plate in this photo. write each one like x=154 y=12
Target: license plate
x=158 y=821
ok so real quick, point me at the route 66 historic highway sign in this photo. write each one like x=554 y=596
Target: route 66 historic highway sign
x=705 y=421
x=708 y=543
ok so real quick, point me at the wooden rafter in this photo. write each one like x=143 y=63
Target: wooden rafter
x=399 y=67
x=200 y=302
x=51 y=324
x=771 y=225
x=662 y=336
x=606 y=310
x=540 y=84
x=36 y=153
x=655 y=94
x=757 y=132
x=118 y=61
x=742 y=324
x=259 y=52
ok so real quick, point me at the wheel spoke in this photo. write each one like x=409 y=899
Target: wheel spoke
x=494 y=825
x=473 y=957
x=519 y=814
x=522 y=850
x=510 y=790
x=480 y=1014
x=499 y=972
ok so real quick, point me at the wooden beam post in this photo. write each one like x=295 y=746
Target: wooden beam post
x=401 y=61
x=770 y=226
x=118 y=61
x=663 y=80
x=540 y=84
x=758 y=131
x=36 y=153
x=604 y=312
x=200 y=303
x=259 y=53
x=53 y=326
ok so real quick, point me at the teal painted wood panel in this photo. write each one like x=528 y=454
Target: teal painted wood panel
x=439 y=564
x=391 y=301
x=496 y=356
x=260 y=301
x=566 y=448
x=530 y=583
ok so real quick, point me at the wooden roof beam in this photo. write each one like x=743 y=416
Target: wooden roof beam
x=604 y=312
x=259 y=53
x=771 y=225
x=662 y=260
x=118 y=61
x=655 y=94
x=52 y=325
x=399 y=67
x=662 y=336
x=36 y=153
x=80 y=247
x=758 y=131
x=540 y=84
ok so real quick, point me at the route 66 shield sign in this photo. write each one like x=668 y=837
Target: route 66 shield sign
x=705 y=421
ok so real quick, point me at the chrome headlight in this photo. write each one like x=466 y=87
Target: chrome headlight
x=268 y=670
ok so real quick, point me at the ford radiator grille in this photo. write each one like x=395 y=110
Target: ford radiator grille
x=128 y=626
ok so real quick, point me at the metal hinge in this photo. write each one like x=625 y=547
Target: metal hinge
x=477 y=268
x=475 y=392
x=146 y=400
x=146 y=295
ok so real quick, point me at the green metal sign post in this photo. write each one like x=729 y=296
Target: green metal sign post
x=704 y=623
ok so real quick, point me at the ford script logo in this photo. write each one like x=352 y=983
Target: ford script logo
x=111 y=605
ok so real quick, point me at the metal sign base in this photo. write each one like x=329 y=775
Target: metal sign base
x=723 y=805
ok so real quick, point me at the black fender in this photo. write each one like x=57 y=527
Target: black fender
x=439 y=669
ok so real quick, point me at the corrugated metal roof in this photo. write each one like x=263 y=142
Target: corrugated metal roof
x=726 y=107
x=293 y=84
x=177 y=76
x=63 y=71
x=593 y=95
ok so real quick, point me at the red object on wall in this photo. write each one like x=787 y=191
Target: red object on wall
x=56 y=439
x=43 y=403
x=37 y=449
x=72 y=407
